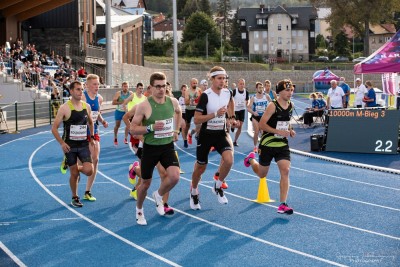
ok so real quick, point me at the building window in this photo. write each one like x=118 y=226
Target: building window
x=312 y=34
x=264 y=22
x=293 y=46
x=242 y=23
x=294 y=33
x=300 y=46
x=255 y=35
x=279 y=27
x=259 y=22
x=279 y=40
x=256 y=47
x=244 y=35
x=373 y=40
x=264 y=34
x=300 y=33
x=265 y=47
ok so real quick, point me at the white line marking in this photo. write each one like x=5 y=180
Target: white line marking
x=89 y=220
x=306 y=189
x=11 y=255
x=42 y=220
x=235 y=231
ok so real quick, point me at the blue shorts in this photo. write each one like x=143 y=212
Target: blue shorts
x=118 y=115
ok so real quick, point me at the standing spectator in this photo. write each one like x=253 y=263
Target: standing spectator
x=360 y=91
x=336 y=96
x=346 y=89
x=370 y=98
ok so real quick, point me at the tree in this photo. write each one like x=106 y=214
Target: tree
x=359 y=14
x=223 y=8
x=235 y=36
x=180 y=5
x=191 y=6
x=321 y=42
x=205 y=7
x=342 y=44
x=198 y=26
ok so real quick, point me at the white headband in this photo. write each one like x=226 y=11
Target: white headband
x=218 y=72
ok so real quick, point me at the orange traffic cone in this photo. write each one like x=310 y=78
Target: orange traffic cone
x=263 y=193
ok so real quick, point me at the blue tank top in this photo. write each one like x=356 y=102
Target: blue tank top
x=95 y=106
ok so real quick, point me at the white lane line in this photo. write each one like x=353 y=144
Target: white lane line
x=306 y=189
x=89 y=220
x=56 y=185
x=233 y=230
x=22 y=138
x=334 y=176
x=11 y=255
x=42 y=220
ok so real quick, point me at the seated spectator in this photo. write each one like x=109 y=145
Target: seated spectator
x=82 y=72
x=370 y=98
x=317 y=108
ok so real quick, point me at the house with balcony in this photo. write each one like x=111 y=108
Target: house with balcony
x=279 y=33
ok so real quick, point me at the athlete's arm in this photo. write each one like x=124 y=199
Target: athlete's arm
x=100 y=117
x=63 y=112
x=90 y=123
x=127 y=100
x=115 y=99
x=128 y=115
x=250 y=106
x=177 y=117
x=136 y=123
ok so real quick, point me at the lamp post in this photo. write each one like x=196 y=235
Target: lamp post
x=248 y=37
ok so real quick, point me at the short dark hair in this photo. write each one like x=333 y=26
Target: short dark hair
x=72 y=85
x=157 y=76
x=139 y=84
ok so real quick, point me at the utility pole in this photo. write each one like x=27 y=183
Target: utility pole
x=175 y=28
x=109 y=67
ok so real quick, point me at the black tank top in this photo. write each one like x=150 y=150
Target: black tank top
x=75 y=128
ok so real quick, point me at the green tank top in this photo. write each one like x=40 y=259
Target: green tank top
x=164 y=112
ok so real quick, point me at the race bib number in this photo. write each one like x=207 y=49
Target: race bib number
x=240 y=104
x=260 y=109
x=78 y=132
x=94 y=115
x=167 y=130
x=282 y=125
x=217 y=123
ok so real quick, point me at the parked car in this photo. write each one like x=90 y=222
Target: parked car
x=359 y=59
x=322 y=59
x=340 y=59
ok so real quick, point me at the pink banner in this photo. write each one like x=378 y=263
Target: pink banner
x=389 y=83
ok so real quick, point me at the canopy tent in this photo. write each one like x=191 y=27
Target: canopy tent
x=322 y=79
x=384 y=60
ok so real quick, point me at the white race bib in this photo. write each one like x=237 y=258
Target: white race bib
x=282 y=125
x=78 y=132
x=167 y=130
x=240 y=104
x=94 y=115
x=217 y=123
x=260 y=109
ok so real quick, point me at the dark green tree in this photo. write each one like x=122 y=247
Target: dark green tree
x=205 y=7
x=320 y=40
x=223 y=8
x=342 y=44
x=191 y=6
x=359 y=14
x=198 y=26
x=235 y=34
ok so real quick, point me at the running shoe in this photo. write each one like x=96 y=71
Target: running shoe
x=140 y=218
x=115 y=142
x=88 y=196
x=159 y=204
x=132 y=173
x=224 y=184
x=232 y=129
x=64 y=165
x=76 y=202
x=125 y=141
x=284 y=208
x=220 y=194
x=189 y=139
x=251 y=155
x=134 y=193
x=235 y=144
x=185 y=144
x=168 y=210
x=195 y=202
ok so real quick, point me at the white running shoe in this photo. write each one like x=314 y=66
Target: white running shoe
x=220 y=195
x=159 y=204
x=140 y=218
x=195 y=202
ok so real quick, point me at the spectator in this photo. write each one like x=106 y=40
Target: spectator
x=370 y=98
x=82 y=72
x=346 y=89
x=316 y=110
x=336 y=96
x=360 y=91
